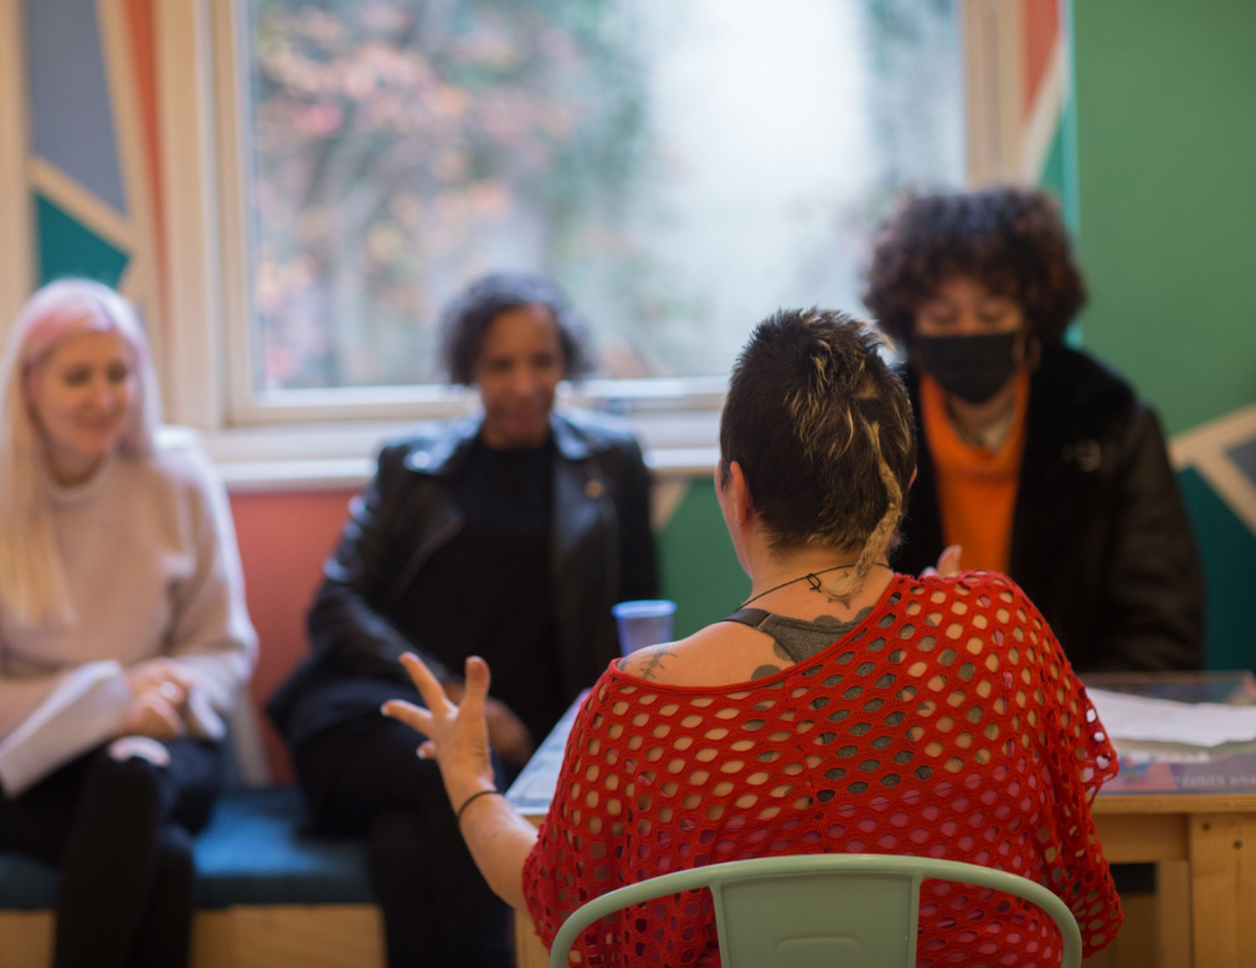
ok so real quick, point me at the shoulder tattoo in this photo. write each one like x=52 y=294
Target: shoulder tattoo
x=647 y=664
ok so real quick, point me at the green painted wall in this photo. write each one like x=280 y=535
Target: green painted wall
x=697 y=565
x=1166 y=144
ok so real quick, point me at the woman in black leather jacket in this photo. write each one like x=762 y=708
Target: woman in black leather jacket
x=507 y=535
x=1038 y=459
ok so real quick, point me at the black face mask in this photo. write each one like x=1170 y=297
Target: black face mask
x=973 y=368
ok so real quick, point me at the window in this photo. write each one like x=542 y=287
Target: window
x=682 y=169
x=338 y=168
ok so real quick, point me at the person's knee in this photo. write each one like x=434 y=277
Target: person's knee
x=387 y=769
x=395 y=855
x=395 y=835
x=176 y=865
x=132 y=785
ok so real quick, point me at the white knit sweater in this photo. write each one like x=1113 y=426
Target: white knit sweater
x=150 y=558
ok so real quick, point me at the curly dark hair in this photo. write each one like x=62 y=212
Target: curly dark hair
x=823 y=430
x=1011 y=240
x=468 y=316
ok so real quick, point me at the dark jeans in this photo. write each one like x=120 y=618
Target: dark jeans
x=119 y=833
x=363 y=777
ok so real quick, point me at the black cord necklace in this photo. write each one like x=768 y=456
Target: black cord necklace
x=811 y=578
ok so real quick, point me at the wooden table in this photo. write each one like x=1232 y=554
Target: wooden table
x=1204 y=844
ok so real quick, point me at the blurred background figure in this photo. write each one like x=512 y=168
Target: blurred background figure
x=507 y=535
x=1039 y=461
x=118 y=566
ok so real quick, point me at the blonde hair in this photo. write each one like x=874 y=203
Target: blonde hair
x=32 y=579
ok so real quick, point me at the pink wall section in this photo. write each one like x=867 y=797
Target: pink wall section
x=1040 y=26
x=283 y=540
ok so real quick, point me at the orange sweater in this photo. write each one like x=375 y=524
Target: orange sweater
x=976 y=487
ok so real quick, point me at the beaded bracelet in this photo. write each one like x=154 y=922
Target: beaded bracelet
x=467 y=802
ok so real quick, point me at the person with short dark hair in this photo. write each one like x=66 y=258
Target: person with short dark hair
x=1037 y=460
x=509 y=534
x=842 y=707
x=471 y=313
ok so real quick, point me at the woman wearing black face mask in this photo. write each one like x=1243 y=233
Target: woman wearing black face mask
x=1039 y=461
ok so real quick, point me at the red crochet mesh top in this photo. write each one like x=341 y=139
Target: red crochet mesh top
x=947 y=724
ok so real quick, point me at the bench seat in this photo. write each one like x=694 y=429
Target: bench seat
x=251 y=853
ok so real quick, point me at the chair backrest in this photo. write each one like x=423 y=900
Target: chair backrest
x=819 y=910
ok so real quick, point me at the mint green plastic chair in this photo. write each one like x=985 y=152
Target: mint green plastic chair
x=819 y=910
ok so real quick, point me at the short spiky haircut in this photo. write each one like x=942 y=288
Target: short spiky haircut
x=823 y=431
x=467 y=318
x=1011 y=240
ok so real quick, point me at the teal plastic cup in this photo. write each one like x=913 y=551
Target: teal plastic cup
x=643 y=623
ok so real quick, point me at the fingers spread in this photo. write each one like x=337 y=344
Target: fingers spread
x=431 y=691
x=477 y=683
x=408 y=713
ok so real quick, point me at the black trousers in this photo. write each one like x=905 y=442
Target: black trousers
x=119 y=832
x=363 y=777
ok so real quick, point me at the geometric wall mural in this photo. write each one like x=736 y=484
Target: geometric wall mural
x=1228 y=548
x=69 y=248
x=71 y=120
x=1217 y=471
x=1244 y=457
x=91 y=99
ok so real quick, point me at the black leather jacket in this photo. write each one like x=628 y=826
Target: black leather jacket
x=603 y=553
x=1100 y=538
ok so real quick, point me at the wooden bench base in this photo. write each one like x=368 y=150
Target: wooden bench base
x=256 y=936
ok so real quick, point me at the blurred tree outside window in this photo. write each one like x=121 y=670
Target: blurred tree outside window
x=681 y=167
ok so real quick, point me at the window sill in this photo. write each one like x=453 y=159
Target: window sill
x=341 y=456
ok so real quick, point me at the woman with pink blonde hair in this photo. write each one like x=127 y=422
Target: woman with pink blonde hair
x=124 y=637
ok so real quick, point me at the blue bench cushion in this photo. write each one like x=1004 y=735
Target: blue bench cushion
x=251 y=853
x=25 y=884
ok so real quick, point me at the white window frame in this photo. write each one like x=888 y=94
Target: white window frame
x=327 y=437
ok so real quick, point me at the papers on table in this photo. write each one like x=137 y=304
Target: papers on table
x=533 y=789
x=83 y=711
x=1204 y=724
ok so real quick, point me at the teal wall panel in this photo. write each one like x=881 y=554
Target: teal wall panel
x=1165 y=148
x=67 y=248
x=1166 y=112
x=699 y=569
x=1228 y=548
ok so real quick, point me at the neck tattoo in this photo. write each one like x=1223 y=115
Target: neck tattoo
x=812 y=578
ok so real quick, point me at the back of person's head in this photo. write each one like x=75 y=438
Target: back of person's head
x=467 y=318
x=31 y=582
x=822 y=428
x=1011 y=240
